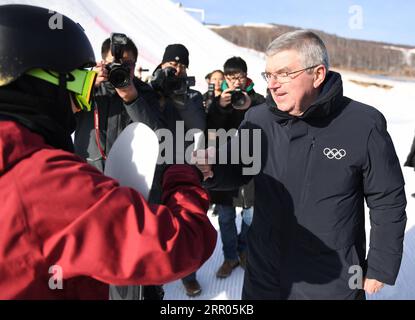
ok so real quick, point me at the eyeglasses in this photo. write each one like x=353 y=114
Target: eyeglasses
x=283 y=77
x=235 y=78
x=80 y=82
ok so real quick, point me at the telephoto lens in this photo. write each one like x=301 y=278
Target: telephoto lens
x=119 y=76
x=238 y=99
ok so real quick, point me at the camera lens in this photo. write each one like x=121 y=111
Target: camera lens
x=119 y=77
x=238 y=99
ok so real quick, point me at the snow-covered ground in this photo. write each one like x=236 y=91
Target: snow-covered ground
x=155 y=24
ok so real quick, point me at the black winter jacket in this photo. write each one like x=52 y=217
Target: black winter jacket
x=308 y=230
x=114 y=117
x=229 y=118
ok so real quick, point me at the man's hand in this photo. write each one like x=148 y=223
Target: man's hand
x=225 y=98
x=203 y=159
x=102 y=73
x=372 y=286
x=128 y=94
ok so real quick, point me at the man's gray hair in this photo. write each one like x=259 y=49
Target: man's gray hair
x=309 y=45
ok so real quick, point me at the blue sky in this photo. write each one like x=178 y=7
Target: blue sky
x=387 y=21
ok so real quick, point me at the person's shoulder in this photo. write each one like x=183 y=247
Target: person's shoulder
x=365 y=114
x=258 y=112
x=194 y=93
x=141 y=85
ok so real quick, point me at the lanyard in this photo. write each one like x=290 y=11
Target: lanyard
x=96 y=125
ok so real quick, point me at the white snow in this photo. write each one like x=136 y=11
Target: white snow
x=155 y=24
x=259 y=25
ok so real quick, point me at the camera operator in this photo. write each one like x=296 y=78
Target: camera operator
x=214 y=81
x=227 y=112
x=120 y=99
x=177 y=103
x=118 y=103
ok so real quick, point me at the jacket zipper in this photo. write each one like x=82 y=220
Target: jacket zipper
x=307 y=174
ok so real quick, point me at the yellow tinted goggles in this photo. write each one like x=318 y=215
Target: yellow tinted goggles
x=80 y=82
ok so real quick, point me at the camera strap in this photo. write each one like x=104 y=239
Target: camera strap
x=96 y=125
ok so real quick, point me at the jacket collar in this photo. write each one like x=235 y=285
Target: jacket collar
x=326 y=103
x=249 y=85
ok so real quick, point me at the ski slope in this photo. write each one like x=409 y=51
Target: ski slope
x=153 y=24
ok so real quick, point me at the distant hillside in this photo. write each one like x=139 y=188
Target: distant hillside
x=356 y=55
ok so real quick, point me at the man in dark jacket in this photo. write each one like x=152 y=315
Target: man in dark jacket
x=115 y=108
x=181 y=109
x=227 y=112
x=322 y=155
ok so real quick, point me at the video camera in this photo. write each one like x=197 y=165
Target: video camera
x=166 y=81
x=118 y=72
x=238 y=99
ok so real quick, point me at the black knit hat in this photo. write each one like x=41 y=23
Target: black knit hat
x=177 y=53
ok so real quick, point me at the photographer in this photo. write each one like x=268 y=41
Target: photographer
x=177 y=103
x=214 y=81
x=227 y=112
x=120 y=99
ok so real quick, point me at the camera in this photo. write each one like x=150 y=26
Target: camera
x=238 y=99
x=118 y=72
x=166 y=81
x=210 y=97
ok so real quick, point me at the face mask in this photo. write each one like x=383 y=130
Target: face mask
x=80 y=82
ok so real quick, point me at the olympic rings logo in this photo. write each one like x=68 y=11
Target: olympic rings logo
x=334 y=153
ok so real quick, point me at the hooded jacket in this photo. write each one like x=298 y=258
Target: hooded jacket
x=308 y=231
x=59 y=211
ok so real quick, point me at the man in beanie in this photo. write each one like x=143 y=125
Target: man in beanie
x=179 y=105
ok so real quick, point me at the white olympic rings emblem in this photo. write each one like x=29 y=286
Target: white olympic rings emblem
x=334 y=153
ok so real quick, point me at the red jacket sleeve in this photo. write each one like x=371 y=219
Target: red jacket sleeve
x=90 y=226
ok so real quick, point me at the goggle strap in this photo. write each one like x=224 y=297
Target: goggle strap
x=75 y=85
x=81 y=84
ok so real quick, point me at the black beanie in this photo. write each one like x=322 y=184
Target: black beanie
x=177 y=53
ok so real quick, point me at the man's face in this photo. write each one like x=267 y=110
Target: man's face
x=236 y=80
x=181 y=69
x=296 y=95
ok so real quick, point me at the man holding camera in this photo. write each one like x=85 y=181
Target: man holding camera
x=227 y=112
x=178 y=103
x=120 y=99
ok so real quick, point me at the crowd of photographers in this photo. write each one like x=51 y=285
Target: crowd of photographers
x=165 y=98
